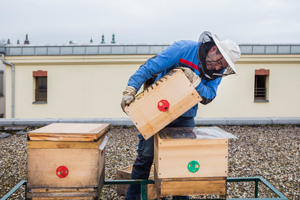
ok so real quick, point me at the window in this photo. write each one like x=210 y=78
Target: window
x=40 y=86
x=261 y=85
x=1 y=83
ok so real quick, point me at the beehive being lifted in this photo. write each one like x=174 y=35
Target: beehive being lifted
x=162 y=102
x=66 y=161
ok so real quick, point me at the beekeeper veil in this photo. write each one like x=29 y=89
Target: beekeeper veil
x=229 y=50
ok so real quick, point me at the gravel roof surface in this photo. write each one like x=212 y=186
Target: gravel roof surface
x=271 y=152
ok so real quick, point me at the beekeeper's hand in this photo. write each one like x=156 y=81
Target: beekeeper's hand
x=128 y=96
x=193 y=78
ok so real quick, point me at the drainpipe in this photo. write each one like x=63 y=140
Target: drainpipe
x=12 y=86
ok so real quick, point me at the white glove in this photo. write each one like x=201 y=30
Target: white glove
x=128 y=96
x=193 y=78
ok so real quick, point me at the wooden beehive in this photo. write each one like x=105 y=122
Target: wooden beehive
x=162 y=102
x=125 y=174
x=66 y=161
x=191 y=161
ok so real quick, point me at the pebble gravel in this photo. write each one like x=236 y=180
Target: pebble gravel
x=270 y=152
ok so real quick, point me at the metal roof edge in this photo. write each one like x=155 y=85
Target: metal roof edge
x=130 y=49
x=219 y=121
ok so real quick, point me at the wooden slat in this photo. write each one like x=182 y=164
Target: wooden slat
x=190 y=186
x=190 y=142
x=125 y=174
x=69 y=132
x=157 y=181
x=195 y=179
x=102 y=176
x=64 y=145
x=62 y=198
x=62 y=194
x=61 y=190
x=83 y=165
x=101 y=171
x=61 y=137
x=177 y=90
x=156 y=152
x=182 y=188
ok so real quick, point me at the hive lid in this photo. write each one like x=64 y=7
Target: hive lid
x=69 y=132
x=194 y=133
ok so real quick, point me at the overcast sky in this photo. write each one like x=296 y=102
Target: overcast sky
x=149 y=21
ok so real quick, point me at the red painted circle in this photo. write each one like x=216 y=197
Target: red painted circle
x=62 y=171
x=163 y=105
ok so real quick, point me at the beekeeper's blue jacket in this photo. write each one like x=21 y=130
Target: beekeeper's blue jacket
x=182 y=53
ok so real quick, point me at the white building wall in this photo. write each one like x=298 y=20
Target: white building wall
x=91 y=87
x=235 y=96
x=76 y=89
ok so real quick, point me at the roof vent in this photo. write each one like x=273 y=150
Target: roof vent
x=26 y=40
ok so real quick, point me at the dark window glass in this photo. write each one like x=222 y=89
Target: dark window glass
x=260 y=87
x=41 y=89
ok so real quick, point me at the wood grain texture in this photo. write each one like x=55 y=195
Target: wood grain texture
x=69 y=132
x=83 y=166
x=64 y=145
x=125 y=174
x=172 y=156
x=190 y=186
x=156 y=151
x=50 y=190
x=171 y=160
x=62 y=195
x=174 y=88
x=63 y=198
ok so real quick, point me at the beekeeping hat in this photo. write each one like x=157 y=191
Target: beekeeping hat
x=228 y=48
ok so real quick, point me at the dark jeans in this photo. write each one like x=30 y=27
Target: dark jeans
x=142 y=166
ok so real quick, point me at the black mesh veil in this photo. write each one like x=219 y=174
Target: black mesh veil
x=205 y=43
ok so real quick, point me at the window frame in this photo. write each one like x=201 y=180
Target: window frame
x=39 y=75
x=258 y=95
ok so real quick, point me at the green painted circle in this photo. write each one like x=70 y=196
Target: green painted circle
x=193 y=166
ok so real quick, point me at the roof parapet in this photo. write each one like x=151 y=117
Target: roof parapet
x=123 y=49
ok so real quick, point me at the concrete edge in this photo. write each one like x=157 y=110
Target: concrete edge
x=250 y=121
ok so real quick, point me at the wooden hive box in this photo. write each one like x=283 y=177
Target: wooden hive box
x=162 y=102
x=191 y=161
x=125 y=174
x=66 y=161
